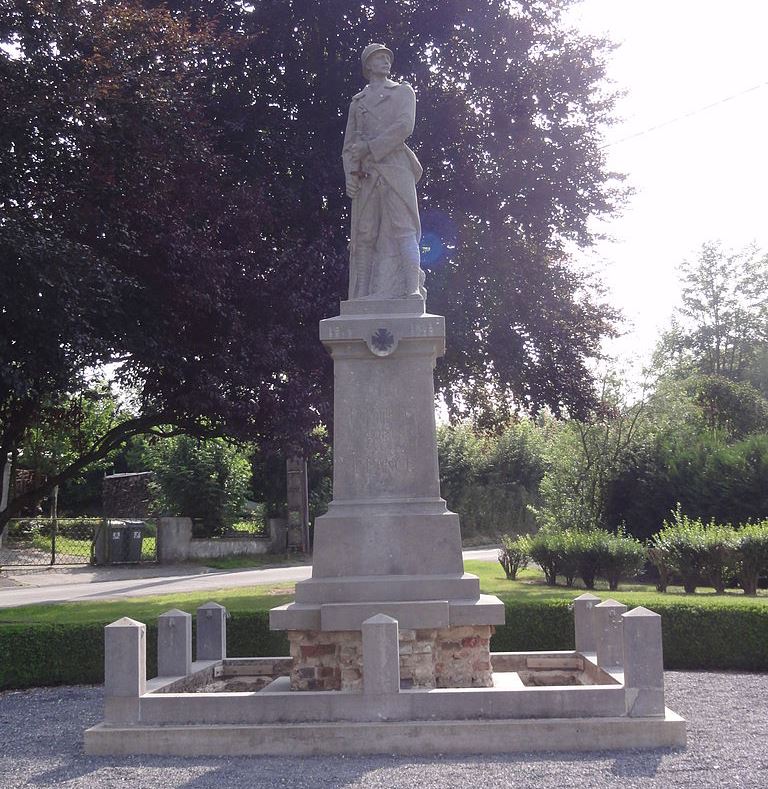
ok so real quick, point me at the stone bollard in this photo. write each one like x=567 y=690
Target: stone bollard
x=174 y=644
x=608 y=633
x=643 y=663
x=584 y=622
x=381 y=655
x=211 y=632
x=125 y=669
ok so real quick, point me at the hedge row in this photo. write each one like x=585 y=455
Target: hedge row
x=695 y=637
x=570 y=553
x=714 y=553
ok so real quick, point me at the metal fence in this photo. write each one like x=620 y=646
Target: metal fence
x=38 y=542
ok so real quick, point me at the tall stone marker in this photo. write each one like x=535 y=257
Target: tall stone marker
x=388 y=544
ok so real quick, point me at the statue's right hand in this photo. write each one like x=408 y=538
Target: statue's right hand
x=352 y=189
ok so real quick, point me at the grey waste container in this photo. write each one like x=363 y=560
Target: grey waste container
x=134 y=536
x=115 y=533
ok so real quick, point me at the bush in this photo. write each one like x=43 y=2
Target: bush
x=490 y=479
x=682 y=542
x=588 y=554
x=621 y=557
x=720 y=554
x=752 y=555
x=514 y=554
x=712 y=552
x=206 y=480
x=546 y=550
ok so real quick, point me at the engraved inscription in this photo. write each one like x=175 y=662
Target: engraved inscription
x=388 y=457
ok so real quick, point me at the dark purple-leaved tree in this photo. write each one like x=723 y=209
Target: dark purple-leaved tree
x=511 y=107
x=173 y=199
x=126 y=238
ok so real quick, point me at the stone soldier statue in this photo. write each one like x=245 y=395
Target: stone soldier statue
x=381 y=174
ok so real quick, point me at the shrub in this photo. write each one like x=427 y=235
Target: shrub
x=514 y=554
x=682 y=541
x=720 y=554
x=546 y=550
x=698 y=634
x=660 y=560
x=752 y=554
x=588 y=550
x=620 y=557
x=588 y=554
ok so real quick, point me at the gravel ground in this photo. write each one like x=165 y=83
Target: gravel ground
x=727 y=747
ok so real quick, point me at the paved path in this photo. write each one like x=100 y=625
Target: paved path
x=87 y=583
x=727 y=749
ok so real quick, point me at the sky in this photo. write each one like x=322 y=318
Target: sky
x=700 y=178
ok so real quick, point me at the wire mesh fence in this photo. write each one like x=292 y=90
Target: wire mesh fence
x=37 y=542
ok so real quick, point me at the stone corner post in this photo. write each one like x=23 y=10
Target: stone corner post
x=125 y=669
x=643 y=663
x=211 y=632
x=609 y=638
x=381 y=655
x=584 y=624
x=174 y=644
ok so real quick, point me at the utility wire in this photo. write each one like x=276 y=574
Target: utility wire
x=686 y=115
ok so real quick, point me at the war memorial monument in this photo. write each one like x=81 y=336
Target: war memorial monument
x=389 y=638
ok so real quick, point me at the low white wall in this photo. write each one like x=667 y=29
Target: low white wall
x=175 y=543
x=221 y=547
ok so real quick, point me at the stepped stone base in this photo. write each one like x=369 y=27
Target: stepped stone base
x=405 y=738
x=451 y=657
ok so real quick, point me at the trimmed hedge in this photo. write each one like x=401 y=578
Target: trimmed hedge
x=38 y=654
x=695 y=637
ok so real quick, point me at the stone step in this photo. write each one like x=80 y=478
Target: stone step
x=370 y=588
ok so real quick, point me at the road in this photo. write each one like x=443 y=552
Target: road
x=86 y=583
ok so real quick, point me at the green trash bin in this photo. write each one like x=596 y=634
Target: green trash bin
x=115 y=532
x=134 y=537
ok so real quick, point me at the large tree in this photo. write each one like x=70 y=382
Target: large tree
x=127 y=239
x=721 y=328
x=173 y=202
x=511 y=107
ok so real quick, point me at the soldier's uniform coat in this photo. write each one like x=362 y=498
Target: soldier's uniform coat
x=386 y=206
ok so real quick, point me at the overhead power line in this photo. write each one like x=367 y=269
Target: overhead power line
x=685 y=115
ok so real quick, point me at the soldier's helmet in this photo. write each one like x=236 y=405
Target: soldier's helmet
x=372 y=49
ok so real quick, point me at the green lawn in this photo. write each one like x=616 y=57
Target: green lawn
x=147 y=609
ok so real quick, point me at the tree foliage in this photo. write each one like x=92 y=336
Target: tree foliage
x=127 y=238
x=722 y=325
x=510 y=107
x=584 y=457
x=172 y=203
x=199 y=479
x=491 y=479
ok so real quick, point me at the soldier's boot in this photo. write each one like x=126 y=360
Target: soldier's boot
x=410 y=259
x=364 y=271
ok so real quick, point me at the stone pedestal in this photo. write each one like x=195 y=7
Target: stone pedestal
x=388 y=544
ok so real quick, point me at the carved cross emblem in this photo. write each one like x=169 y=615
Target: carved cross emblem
x=382 y=340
